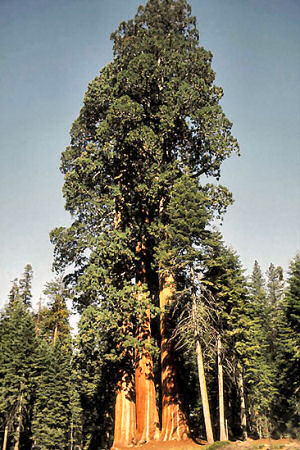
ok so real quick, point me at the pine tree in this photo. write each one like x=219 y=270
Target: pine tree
x=287 y=406
x=25 y=285
x=224 y=278
x=96 y=364
x=51 y=423
x=275 y=285
x=55 y=317
x=151 y=122
x=261 y=370
x=56 y=418
x=17 y=369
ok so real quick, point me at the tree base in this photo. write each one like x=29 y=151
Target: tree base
x=125 y=417
x=174 y=424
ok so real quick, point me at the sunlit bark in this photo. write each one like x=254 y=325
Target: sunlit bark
x=147 y=420
x=174 y=425
x=5 y=438
x=125 y=413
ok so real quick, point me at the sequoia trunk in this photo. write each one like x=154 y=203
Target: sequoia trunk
x=174 y=426
x=125 y=414
x=147 y=421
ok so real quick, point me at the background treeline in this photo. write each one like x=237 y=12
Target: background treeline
x=58 y=392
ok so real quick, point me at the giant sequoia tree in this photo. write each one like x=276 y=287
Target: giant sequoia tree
x=150 y=129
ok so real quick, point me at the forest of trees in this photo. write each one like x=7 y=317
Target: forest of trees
x=173 y=340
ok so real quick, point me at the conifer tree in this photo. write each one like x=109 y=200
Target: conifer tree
x=55 y=317
x=287 y=405
x=273 y=310
x=51 y=423
x=261 y=371
x=151 y=123
x=17 y=369
x=14 y=292
x=224 y=278
x=25 y=285
x=56 y=412
x=275 y=285
x=96 y=363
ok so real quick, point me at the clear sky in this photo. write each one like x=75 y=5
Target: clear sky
x=51 y=49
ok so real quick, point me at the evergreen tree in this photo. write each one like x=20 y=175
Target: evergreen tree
x=17 y=370
x=14 y=292
x=95 y=366
x=273 y=310
x=56 y=419
x=25 y=285
x=224 y=278
x=287 y=406
x=261 y=371
x=55 y=318
x=51 y=423
x=151 y=123
x=275 y=285
x=257 y=283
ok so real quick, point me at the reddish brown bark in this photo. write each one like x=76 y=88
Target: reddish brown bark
x=147 y=420
x=125 y=414
x=146 y=412
x=174 y=425
x=125 y=410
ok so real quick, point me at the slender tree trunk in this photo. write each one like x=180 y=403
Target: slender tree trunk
x=204 y=396
x=201 y=376
x=174 y=425
x=125 y=413
x=5 y=438
x=18 y=431
x=223 y=435
x=200 y=366
x=71 y=435
x=55 y=334
x=243 y=416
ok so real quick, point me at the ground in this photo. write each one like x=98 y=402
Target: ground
x=264 y=444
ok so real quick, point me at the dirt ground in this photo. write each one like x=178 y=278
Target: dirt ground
x=264 y=444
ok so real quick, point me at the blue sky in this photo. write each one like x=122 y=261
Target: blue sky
x=51 y=49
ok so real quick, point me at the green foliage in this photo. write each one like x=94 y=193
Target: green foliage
x=52 y=408
x=17 y=365
x=95 y=366
x=150 y=123
x=53 y=320
x=25 y=285
x=22 y=288
x=287 y=410
x=275 y=285
x=150 y=126
x=261 y=372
